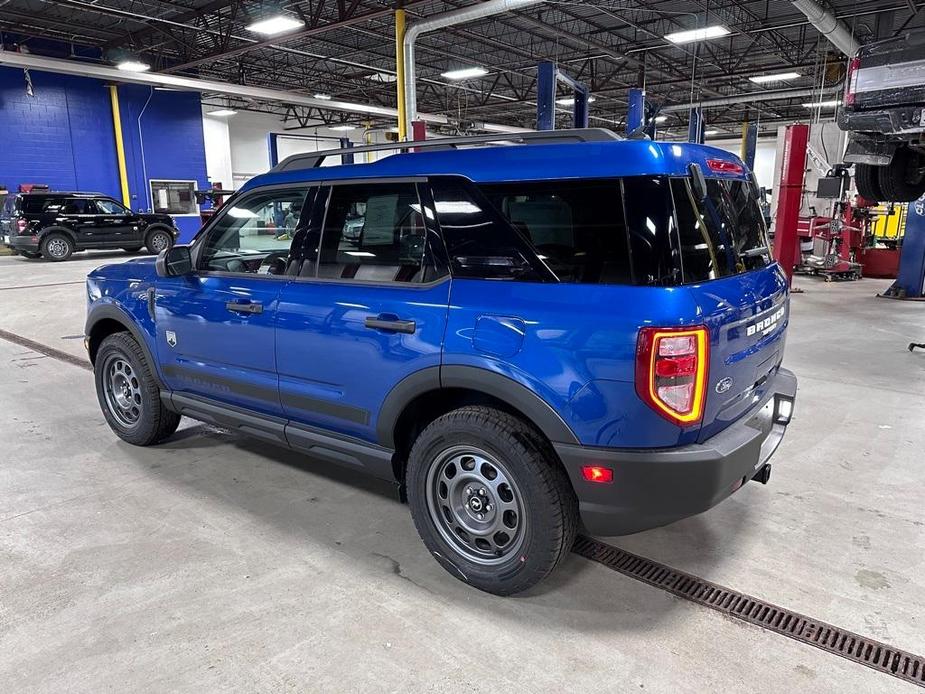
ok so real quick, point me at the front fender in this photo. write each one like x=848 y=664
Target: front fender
x=101 y=319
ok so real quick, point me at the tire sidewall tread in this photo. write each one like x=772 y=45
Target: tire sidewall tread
x=156 y=422
x=549 y=502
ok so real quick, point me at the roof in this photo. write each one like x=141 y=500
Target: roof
x=71 y=193
x=522 y=163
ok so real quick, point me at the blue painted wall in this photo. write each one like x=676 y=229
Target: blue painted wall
x=63 y=136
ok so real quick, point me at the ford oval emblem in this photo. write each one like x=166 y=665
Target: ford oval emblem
x=723 y=385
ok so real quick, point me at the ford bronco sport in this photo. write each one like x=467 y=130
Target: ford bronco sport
x=523 y=338
x=54 y=225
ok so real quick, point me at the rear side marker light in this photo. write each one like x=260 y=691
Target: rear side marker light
x=723 y=166
x=671 y=372
x=596 y=473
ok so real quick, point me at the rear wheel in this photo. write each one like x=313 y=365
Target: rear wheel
x=30 y=254
x=128 y=393
x=132 y=249
x=490 y=499
x=57 y=247
x=867 y=180
x=159 y=240
x=903 y=180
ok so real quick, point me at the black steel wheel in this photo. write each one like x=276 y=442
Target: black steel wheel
x=128 y=393
x=490 y=499
x=57 y=247
x=159 y=240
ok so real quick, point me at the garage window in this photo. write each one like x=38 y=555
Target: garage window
x=174 y=197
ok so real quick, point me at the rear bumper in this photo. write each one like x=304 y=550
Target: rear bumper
x=896 y=121
x=654 y=487
x=23 y=243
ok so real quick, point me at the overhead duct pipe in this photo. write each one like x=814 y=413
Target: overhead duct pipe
x=778 y=95
x=441 y=21
x=110 y=74
x=829 y=26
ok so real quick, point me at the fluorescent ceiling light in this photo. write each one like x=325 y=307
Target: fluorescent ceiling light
x=569 y=100
x=271 y=26
x=711 y=132
x=222 y=112
x=661 y=119
x=779 y=77
x=343 y=128
x=133 y=66
x=690 y=35
x=323 y=97
x=382 y=77
x=823 y=104
x=465 y=73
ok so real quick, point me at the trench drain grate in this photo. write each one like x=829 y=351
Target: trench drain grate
x=860 y=649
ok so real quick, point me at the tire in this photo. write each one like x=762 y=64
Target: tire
x=32 y=255
x=158 y=240
x=903 y=180
x=57 y=247
x=128 y=393
x=529 y=511
x=867 y=181
x=132 y=249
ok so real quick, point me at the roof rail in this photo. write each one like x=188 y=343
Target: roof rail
x=311 y=160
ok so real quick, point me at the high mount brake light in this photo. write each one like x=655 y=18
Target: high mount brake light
x=671 y=371
x=723 y=166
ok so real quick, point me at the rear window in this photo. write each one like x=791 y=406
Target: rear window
x=640 y=230
x=723 y=234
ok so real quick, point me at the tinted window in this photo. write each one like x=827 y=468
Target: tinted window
x=33 y=204
x=576 y=227
x=481 y=243
x=106 y=206
x=721 y=235
x=374 y=232
x=253 y=235
x=72 y=206
x=651 y=227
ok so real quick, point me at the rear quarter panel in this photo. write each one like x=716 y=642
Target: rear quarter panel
x=574 y=346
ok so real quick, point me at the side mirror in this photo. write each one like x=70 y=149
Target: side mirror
x=174 y=262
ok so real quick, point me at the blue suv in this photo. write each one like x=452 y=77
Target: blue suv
x=575 y=330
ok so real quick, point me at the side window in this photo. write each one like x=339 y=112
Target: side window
x=32 y=204
x=78 y=206
x=480 y=242
x=374 y=232
x=651 y=227
x=254 y=234
x=576 y=227
x=107 y=206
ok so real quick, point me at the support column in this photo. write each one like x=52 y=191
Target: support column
x=400 y=73
x=695 y=127
x=347 y=158
x=546 y=96
x=636 y=113
x=749 y=143
x=273 y=148
x=789 y=193
x=120 y=145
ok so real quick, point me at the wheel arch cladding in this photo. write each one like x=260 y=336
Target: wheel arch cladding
x=106 y=320
x=428 y=394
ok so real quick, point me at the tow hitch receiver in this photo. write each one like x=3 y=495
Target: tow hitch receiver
x=764 y=474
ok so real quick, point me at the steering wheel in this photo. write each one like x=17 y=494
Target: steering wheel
x=273 y=264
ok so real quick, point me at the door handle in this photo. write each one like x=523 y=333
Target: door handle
x=244 y=306
x=390 y=325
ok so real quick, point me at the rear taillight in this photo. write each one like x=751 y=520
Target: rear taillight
x=22 y=225
x=851 y=81
x=671 y=371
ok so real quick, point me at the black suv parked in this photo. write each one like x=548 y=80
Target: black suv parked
x=55 y=224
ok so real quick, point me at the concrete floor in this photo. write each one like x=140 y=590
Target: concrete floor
x=216 y=563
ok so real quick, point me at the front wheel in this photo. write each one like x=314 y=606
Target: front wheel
x=490 y=499
x=159 y=240
x=129 y=395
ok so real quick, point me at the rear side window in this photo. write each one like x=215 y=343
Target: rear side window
x=32 y=204
x=374 y=232
x=576 y=228
x=721 y=235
